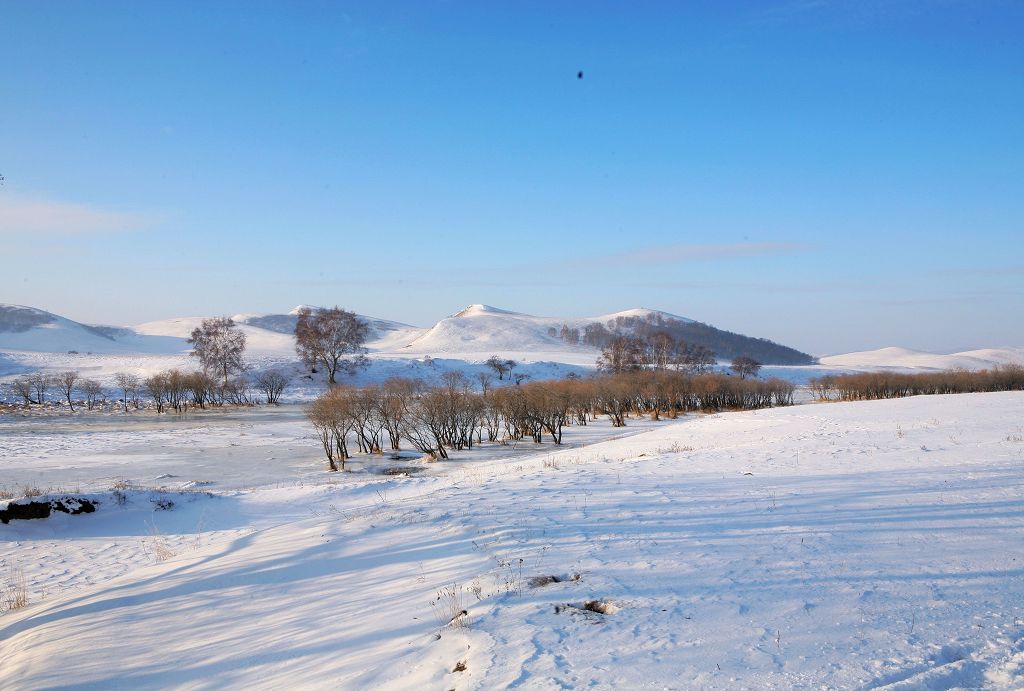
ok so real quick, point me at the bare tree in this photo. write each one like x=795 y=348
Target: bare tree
x=219 y=344
x=662 y=348
x=334 y=337
x=92 y=390
x=201 y=387
x=176 y=388
x=571 y=336
x=330 y=417
x=498 y=365
x=622 y=354
x=23 y=388
x=156 y=387
x=40 y=385
x=425 y=424
x=129 y=385
x=397 y=394
x=272 y=383
x=595 y=334
x=66 y=382
x=698 y=359
x=745 y=366
x=485 y=379
x=455 y=381
x=236 y=392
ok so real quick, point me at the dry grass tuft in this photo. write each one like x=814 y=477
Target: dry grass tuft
x=15 y=594
x=157 y=545
x=29 y=491
x=448 y=608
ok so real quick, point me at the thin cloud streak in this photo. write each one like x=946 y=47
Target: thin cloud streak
x=686 y=253
x=1006 y=270
x=21 y=216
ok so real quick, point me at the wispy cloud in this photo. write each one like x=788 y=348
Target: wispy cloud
x=20 y=216
x=984 y=297
x=688 y=252
x=987 y=271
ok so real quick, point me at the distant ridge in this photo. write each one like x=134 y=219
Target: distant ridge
x=904 y=358
x=473 y=333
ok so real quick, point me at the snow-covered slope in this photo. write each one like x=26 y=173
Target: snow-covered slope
x=904 y=358
x=258 y=342
x=27 y=329
x=384 y=334
x=482 y=329
x=30 y=329
x=472 y=334
x=848 y=545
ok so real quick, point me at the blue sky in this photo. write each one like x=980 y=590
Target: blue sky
x=834 y=176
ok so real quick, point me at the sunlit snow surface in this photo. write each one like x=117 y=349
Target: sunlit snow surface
x=832 y=545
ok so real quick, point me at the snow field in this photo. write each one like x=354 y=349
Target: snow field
x=834 y=545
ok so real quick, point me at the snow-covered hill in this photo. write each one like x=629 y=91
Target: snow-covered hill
x=32 y=338
x=482 y=329
x=34 y=330
x=486 y=329
x=472 y=334
x=384 y=334
x=903 y=358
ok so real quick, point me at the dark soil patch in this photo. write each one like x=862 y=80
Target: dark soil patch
x=595 y=606
x=43 y=509
x=600 y=606
x=403 y=470
x=541 y=581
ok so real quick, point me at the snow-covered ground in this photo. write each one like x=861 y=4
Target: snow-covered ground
x=828 y=546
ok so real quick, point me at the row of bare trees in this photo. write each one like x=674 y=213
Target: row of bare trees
x=454 y=416
x=32 y=389
x=878 y=385
x=170 y=389
x=176 y=390
x=658 y=352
